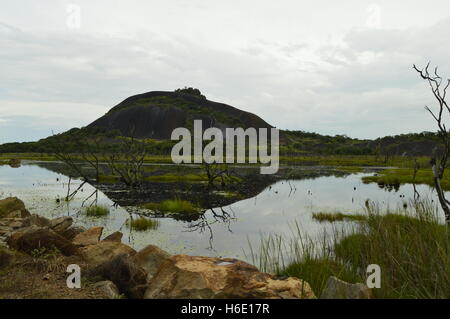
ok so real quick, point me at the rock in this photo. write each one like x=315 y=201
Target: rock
x=46 y=277
x=60 y=224
x=192 y=277
x=37 y=220
x=104 y=251
x=108 y=288
x=11 y=205
x=150 y=258
x=338 y=289
x=88 y=237
x=15 y=214
x=123 y=272
x=6 y=257
x=72 y=231
x=17 y=224
x=5 y=230
x=116 y=236
x=33 y=237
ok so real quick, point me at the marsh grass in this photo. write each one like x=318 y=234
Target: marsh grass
x=393 y=177
x=173 y=206
x=143 y=224
x=412 y=249
x=172 y=178
x=97 y=211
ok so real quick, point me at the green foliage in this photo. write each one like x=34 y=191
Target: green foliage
x=412 y=249
x=97 y=211
x=317 y=271
x=143 y=224
x=108 y=179
x=396 y=177
x=191 y=91
x=172 y=206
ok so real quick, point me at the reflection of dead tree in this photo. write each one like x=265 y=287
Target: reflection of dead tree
x=94 y=202
x=204 y=224
x=439 y=162
x=127 y=163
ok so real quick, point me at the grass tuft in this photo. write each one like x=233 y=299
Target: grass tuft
x=97 y=211
x=173 y=206
x=143 y=224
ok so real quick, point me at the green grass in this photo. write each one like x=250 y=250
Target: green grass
x=395 y=177
x=412 y=249
x=173 y=206
x=337 y=217
x=108 y=179
x=97 y=211
x=143 y=224
x=170 y=178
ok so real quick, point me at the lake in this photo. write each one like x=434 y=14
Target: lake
x=274 y=210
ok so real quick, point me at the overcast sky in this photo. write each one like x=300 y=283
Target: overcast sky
x=332 y=67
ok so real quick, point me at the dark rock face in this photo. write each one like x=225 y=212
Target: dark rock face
x=156 y=114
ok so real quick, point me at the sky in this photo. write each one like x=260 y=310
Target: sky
x=332 y=67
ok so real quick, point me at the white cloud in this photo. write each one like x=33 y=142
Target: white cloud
x=294 y=63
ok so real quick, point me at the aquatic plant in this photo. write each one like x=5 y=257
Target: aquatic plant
x=412 y=248
x=97 y=211
x=143 y=224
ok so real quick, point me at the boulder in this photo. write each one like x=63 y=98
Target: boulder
x=116 y=236
x=6 y=257
x=123 y=272
x=104 y=251
x=60 y=224
x=88 y=237
x=72 y=231
x=108 y=288
x=338 y=289
x=11 y=205
x=37 y=220
x=150 y=258
x=34 y=237
x=192 y=277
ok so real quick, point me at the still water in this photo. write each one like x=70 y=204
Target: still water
x=274 y=210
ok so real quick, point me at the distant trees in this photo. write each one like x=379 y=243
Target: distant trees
x=191 y=91
x=440 y=114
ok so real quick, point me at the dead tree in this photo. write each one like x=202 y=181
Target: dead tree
x=128 y=161
x=439 y=159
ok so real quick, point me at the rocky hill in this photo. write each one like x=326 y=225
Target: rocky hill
x=156 y=114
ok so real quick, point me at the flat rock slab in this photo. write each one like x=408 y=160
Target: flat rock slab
x=88 y=237
x=193 y=277
x=104 y=251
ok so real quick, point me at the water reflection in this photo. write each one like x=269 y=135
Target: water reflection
x=219 y=230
